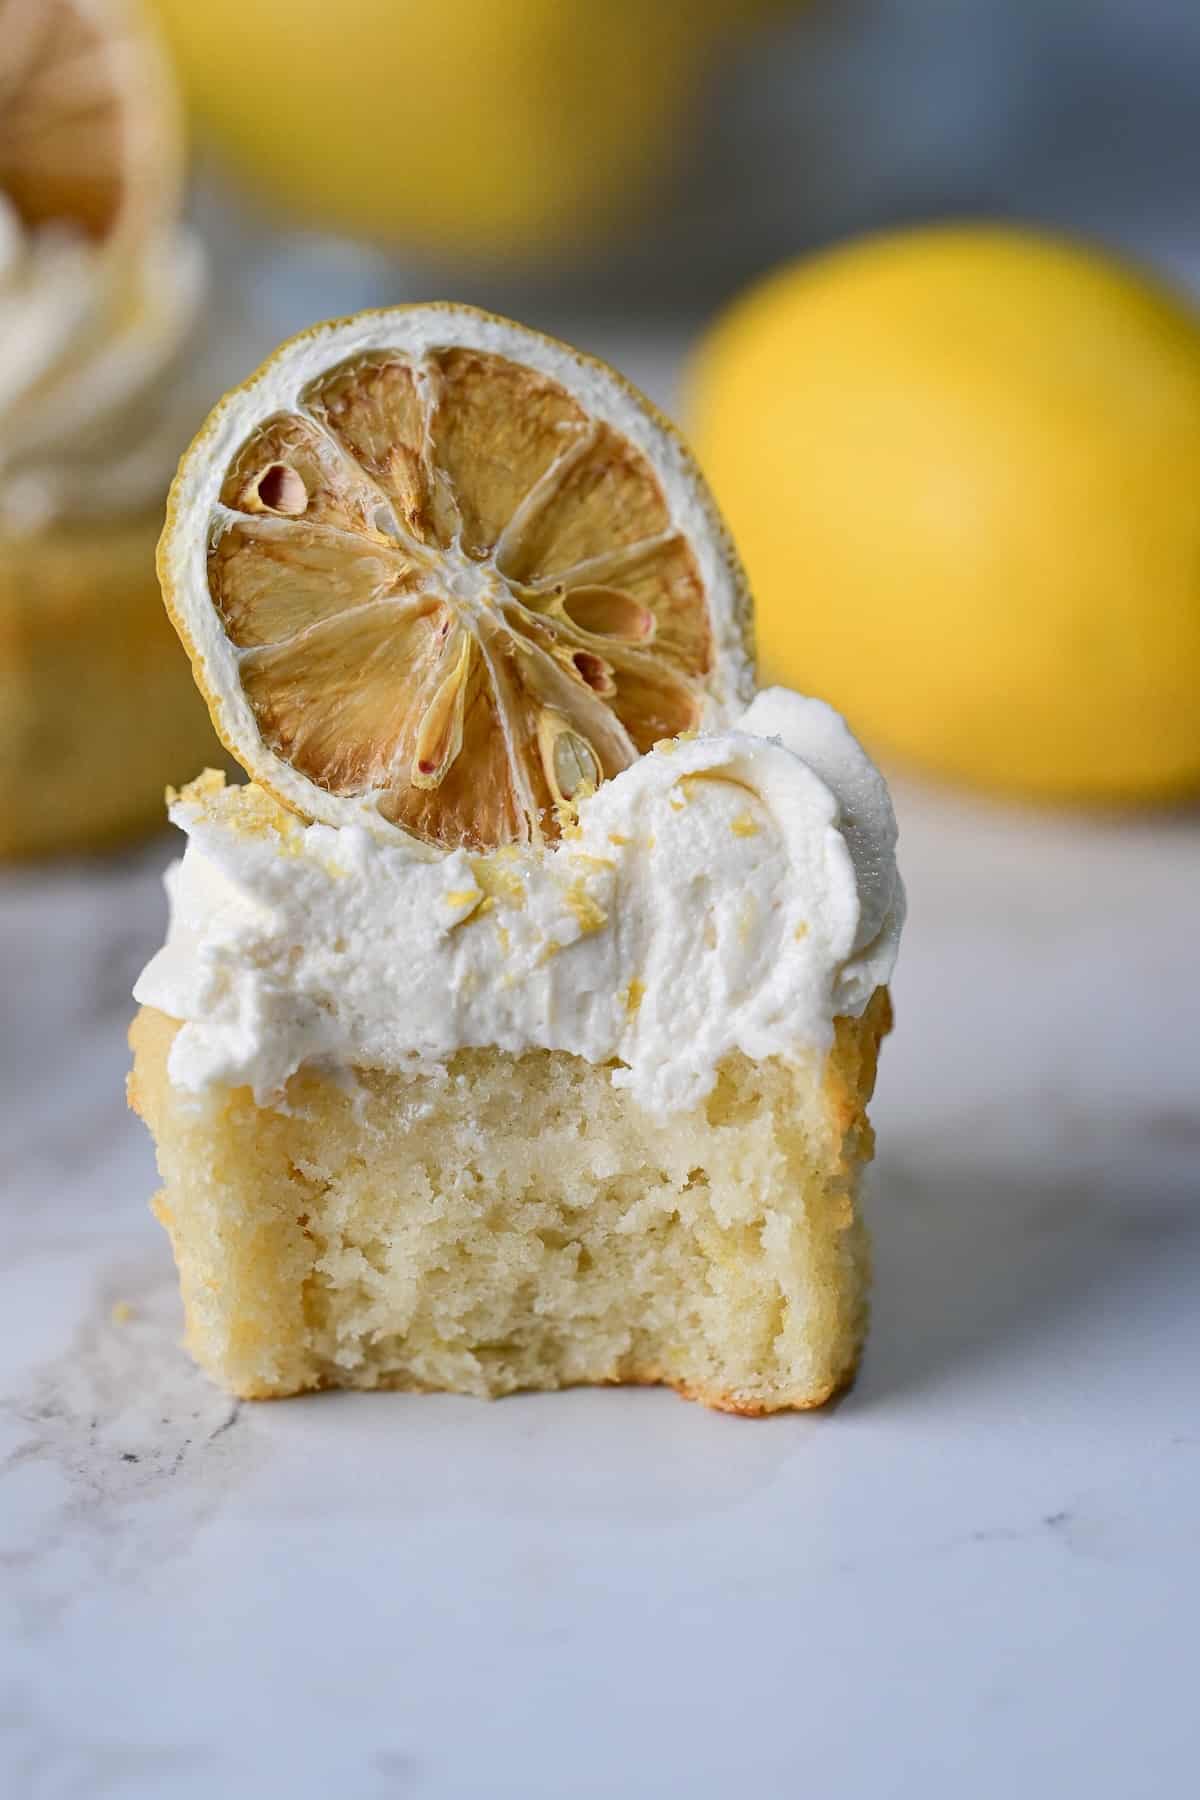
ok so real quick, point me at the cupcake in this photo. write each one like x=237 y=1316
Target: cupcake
x=100 y=292
x=516 y=1024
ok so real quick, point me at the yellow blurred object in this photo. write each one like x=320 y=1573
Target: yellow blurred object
x=476 y=127
x=963 y=467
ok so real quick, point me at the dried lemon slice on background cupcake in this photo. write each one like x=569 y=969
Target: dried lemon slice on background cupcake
x=441 y=575
x=99 y=293
x=90 y=132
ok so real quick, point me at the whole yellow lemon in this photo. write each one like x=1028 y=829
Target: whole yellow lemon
x=486 y=128
x=963 y=467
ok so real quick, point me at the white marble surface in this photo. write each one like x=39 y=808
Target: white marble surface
x=976 y=1576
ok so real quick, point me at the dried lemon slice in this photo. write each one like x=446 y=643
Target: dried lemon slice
x=90 y=134
x=441 y=575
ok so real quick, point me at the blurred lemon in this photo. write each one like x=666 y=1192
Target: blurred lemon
x=480 y=127
x=963 y=467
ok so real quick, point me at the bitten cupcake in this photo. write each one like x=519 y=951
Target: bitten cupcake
x=516 y=1024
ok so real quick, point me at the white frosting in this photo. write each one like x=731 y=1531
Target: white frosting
x=90 y=418
x=734 y=891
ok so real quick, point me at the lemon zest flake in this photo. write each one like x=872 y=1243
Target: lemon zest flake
x=632 y=996
x=498 y=879
x=589 y=914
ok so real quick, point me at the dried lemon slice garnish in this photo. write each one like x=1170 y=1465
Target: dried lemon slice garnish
x=90 y=134
x=441 y=575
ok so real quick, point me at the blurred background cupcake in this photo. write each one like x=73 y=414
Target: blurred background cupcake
x=100 y=295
